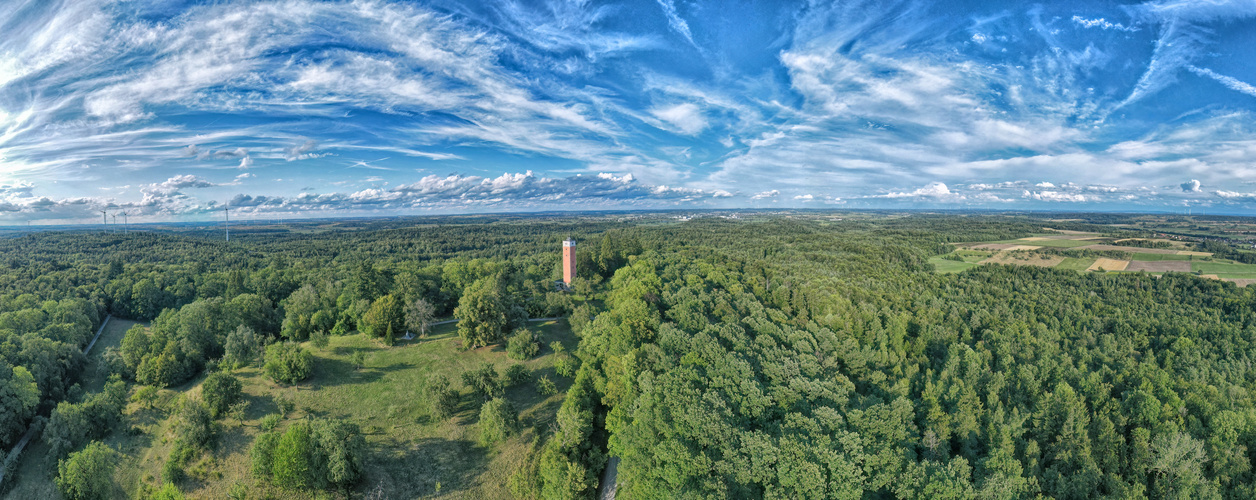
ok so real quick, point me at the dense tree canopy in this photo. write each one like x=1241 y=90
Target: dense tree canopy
x=788 y=357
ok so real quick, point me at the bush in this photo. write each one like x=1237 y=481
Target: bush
x=269 y=422
x=483 y=381
x=546 y=387
x=88 y=474
x=523 y=345
x=262 y=455
x=498 y=420
x=444 y=398
x=516 y=374
x=288 y=363
x=167 y=492
x=220 y=391
x=315 y=454
x=566 y=365
x=318 y=338
x=194 y=426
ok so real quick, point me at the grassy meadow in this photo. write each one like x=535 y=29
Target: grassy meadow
x=410 y=454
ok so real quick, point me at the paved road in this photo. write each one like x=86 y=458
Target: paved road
x=608 y=487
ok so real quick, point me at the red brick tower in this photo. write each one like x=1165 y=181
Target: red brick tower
x=569 y=260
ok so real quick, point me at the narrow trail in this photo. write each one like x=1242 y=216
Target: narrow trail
x=30 y=431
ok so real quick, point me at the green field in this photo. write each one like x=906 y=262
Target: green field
x=411 y=455
x=949 y=266
x=1225 y=270
x=1075 y=263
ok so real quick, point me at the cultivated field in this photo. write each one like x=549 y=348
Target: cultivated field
x=1105 y=264
x=1043 y=249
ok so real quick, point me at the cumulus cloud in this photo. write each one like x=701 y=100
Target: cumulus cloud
x=1056 y=196
x=1044 y=184
x=804 y=197
x=1191 y=186
x=764 y=195
x=935 y=190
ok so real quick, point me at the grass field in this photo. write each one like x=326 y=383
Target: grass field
x=1075 y=263
x=1225 y=270
x=32 y=470
x=411 y=455
x=949 y=266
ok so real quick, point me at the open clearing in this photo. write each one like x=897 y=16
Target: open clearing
x=409 y=452
x=1075 y=263
x=1108 y=265
x=1180 y=266
x=949 y=266
x=1225 y=269
x=1024 y=259
x=31 y=477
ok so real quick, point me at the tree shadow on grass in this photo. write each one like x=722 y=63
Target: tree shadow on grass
x=412 y=470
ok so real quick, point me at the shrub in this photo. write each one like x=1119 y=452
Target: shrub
x=269 y=422
x=516 y=374
x=546 y=387
x=483 y=381
x=288 y=363
x=313 y=454
x=262 y=455
x=167 y=492
x=220 y=391
x=318 y=338
x=498 y=420
x=194 y=425
x=88 y=474
x=444 y=398
x=566 y=365
x=523 y=345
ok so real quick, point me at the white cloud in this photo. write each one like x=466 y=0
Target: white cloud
x=935 y=190
x=1191 y=186
x=1230 y=82
x=1102 y=23
x=685 y=116
x=1044 y=184
x=763 y=195
x=804 y=197
x=674 y=21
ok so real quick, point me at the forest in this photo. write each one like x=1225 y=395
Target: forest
x=777 y=356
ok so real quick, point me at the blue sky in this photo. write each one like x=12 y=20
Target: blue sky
x=173 y=110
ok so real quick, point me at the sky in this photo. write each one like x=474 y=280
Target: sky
x=177 y=110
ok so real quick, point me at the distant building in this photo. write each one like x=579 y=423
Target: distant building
x=569 y=261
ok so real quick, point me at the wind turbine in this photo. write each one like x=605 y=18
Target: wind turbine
x=105 y=217
x=125 y=227
x=226 y=212
x=115 y=221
